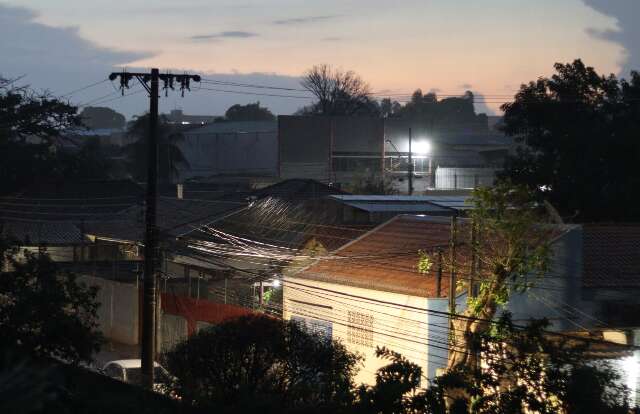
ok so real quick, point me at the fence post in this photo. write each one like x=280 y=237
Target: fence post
x=455 y=181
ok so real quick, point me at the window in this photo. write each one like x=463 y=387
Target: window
x=314 y=326
x=360 y=329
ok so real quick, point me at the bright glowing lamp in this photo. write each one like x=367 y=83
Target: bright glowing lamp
x=422 y=148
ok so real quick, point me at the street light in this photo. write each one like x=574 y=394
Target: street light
x=422 y=148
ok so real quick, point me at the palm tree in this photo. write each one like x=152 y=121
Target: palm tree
x=170 y=157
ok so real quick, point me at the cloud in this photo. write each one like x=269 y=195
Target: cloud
x=305 y=20
x=331 y=39
x=26 y=43
x=234 y=34
x=627 y=35
x=61 y=60
x=465 y=86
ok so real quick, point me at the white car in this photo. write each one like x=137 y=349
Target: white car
x=130 y=371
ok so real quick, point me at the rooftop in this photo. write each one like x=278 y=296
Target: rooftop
x=611 y=255
x=386 y=258
x=234 y=127
x=410 y=203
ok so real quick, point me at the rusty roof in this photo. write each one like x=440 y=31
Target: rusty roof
x=387 y=257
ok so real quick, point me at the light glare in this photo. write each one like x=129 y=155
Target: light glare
x=421 y=147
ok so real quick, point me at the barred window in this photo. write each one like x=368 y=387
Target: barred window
x=360 y=329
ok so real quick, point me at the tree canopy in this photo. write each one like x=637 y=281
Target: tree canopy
x=524 y=370
x=579 y=150
x=46 y=311
x=170 y=157
x=249 y=112
x=34 y=144
x=448 y=115
x=96 y=117
x=258 y=363
x=337 y=92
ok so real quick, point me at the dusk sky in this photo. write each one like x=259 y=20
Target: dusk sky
x=488 y=46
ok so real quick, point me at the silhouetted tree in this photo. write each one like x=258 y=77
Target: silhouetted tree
x=578 y=132
x=27 y=115
x=249 y=112
x=366 y=182
x=45 y=311
x=95 y=117
x=33 y=141
x=261 y=364
x=337 y=92
x=443 y=116
x=170 y=157
x=389 y=108
x=524 y=370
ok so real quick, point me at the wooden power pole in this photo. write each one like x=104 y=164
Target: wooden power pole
x=148 y=340
x=410 y=165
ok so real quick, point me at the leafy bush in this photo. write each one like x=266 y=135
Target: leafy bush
x=258 y=363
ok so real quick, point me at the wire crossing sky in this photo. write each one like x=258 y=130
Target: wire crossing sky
x=488 y=46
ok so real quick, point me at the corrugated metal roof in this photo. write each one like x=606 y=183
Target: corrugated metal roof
x=398 y=207
x=457 y=202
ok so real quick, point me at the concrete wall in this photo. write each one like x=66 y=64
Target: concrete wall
x=55 y=253
x=312 y=147
x=230 y=153
x=304 y=147
x=352 y=315
x=118 y=311
x=557 y=294
x=173 y=329
x=455 y=178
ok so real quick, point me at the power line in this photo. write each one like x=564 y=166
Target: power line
x=255 y=93
x=84 y=88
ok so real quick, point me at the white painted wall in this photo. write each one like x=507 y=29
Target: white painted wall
x=118 y=310
x=352 y=316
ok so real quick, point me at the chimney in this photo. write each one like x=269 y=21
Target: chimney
x=180 y=191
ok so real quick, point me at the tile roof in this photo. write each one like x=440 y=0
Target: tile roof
x=611 y=255
x=387 y=258
x=287 y=223
x=298 y=189
x=41 y=233
x=56 y=212
x=175 y=217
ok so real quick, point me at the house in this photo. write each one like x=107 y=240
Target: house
x=55 y=215
x=253 y=242
x=370 y=292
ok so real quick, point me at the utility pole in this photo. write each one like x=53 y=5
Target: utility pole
x=148 y=345
x=471 y=291
x=410 y=166
x=452 y=280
